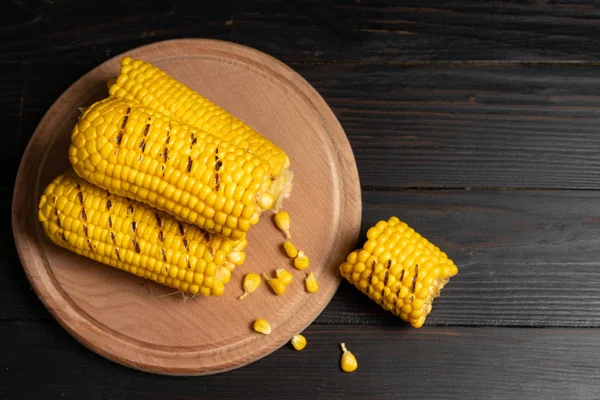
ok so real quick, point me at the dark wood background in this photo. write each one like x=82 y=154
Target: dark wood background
x=476 y=122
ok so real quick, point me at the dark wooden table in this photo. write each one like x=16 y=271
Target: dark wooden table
x=476 y=122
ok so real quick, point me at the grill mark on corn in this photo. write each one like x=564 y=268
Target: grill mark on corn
x=117 y=253
x=146 y=129
x=370 y=287
x=134 y=226
x=53 y=199
x=181 y=228
x=122 y=130
x=161 y=237
x=57 y=218
x=164 y=255
x=206 y=235
x=108 y=205
x=62 y=235
x=80 y=197
x=211 y=251
x=85 y=229
x=165 y=154
x=158 y=220
x=187 y=260
x=131 y=209
x=83 y=214
x=185 y=244
x=112 y=237
x=143 y=145
x=217 y=166
x=136 y=245
x=189 y=164
x=414 y=279
x=90 y=245
x=109 y=222
x=386 y=279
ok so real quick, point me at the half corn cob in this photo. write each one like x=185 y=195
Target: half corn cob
x=136 y=152
x=399 y=269
x=148 y=85
x=135 y=238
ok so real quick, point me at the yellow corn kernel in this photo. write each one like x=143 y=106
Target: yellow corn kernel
x=311 y=283
x=348 y=362
x=301 y=261
x=172 y=166
x=251 y=283
x=400 y=270
x=282 y=220
x=298 y=342
x=133 y=237
x=283 y=275
x=276 y=284
x=262 y=326
x=290 y=250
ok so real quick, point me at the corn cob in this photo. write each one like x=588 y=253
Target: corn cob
x=148 y=85
x=134 y=152
x=135 y=238
x=400 y=270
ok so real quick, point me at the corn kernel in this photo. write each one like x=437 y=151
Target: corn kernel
x=276 y=284
x=290 y=250
x=301 y=261
x=298 y=342
x=262 y=326
x=283 y=275
x=282 y=220
x=251 y=283
x=348 y=362
x=311 y=283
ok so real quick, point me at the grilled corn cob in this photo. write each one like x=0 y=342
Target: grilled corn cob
x=135 y=238
x=400 y=270
x=135 y=152
x=148 y=85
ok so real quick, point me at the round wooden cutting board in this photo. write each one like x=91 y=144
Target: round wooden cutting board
x=136 y=322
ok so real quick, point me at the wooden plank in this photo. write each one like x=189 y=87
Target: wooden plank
x=505 y=126
x=394 y=362
x=309 y=31
x=525 y=258
x=11 y=110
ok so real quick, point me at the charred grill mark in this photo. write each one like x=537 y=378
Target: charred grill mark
x=194 y=141
x=53 y=199
x=218 y=165
x=166 y=154
x=131 y=209
x=168 y=140
x=402 y=275
x=164 y=254
x=386 y=279
x=217 y=182
x=181 y=228
x=134 y=226
x=185 y=244
x=117 y=253
x=62 y=235
x=414 y=279
x=78 y=187
x=85 y=229
x=143 y=145
x=83 y=214
x=206 y=236
x=136 y=245
x=109 y=222
x=112 y=237
x=80 y=197
x=187 y=260
x=211 y=251
x=122 y=130
x=161 y=237
x=57 y=218
x=189 y=164
x=158 y=220
x=108 y=205
x=146 y=129
x=90 y=245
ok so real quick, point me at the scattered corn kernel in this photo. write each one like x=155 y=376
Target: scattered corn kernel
x=311 y=283
x=251 y=283
x=290 y=250
x=276 y=284
x=348 y=363
x=283 y=275
x=282 y=220
x=301 y=261
x=298 y=342
x=262 y=326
